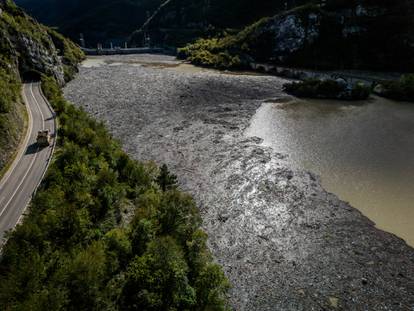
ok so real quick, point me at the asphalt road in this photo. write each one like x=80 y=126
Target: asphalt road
x=30 y=165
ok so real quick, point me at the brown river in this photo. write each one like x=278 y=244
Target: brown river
x=364 y=153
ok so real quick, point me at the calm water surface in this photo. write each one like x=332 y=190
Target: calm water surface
x=364 y=153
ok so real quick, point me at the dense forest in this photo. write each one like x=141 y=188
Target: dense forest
x=107 y=233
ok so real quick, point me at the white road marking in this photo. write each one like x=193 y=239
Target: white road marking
x=31 y=163
x=3 y=182
x=38 y=107
x=43 y=119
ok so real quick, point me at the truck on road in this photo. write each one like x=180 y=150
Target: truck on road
x=43 y=138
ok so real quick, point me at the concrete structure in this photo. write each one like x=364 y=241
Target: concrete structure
x=125 y=51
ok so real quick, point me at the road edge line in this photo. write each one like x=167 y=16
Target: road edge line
x=21 y=151
x=49 y=160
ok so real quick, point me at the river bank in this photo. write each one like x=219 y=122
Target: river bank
x=283 y=241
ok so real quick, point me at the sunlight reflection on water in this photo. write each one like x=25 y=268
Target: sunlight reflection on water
x=364 y=153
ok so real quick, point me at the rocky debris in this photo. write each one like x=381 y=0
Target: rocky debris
x=284 y=242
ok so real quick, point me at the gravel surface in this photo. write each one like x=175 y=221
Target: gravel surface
x=283 y=241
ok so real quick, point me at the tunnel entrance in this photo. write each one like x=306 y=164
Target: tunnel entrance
x=30 y=75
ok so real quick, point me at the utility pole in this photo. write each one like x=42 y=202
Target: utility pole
x=82 y=41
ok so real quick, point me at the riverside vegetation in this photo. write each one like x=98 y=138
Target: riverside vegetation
x=402 y=89
x=328 y=89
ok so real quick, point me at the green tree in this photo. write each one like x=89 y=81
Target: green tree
x=211 y=287
x=83 y=275
x=179 y=216
x=158 y=279
x=166 y=180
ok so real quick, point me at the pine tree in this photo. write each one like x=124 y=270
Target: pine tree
x=166 y=180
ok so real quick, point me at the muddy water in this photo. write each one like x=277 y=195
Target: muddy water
x=363 y=153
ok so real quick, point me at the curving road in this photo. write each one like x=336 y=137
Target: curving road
x=30 y=165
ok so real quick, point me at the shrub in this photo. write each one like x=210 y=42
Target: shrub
x=360 y=91
x=328 y=89
x=402 y=89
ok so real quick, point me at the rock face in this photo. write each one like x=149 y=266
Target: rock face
x=348 y=36
x=28 y=44
x=35 y=56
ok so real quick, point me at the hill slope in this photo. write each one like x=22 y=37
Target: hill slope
x=101 y=21
x=108 y=21
x=360 y=34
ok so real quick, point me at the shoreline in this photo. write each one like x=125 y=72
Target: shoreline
x=283 y=241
